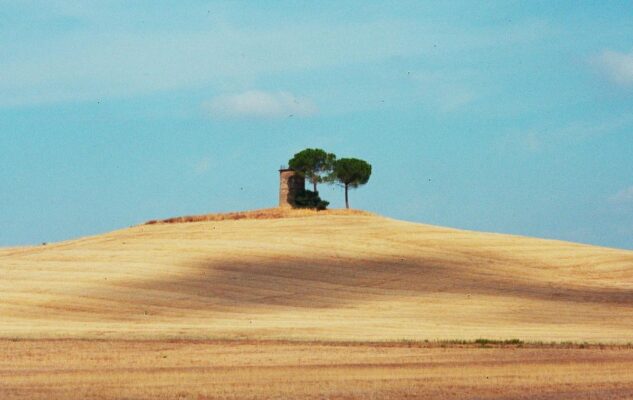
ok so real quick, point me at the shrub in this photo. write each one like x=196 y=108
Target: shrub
x=485 y=342
x=310 y=199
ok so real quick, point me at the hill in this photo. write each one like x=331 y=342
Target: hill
x=306 y=276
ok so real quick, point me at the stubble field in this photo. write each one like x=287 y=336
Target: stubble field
x=338 y=305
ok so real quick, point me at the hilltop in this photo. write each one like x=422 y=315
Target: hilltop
x=264 y=213
x=303 y=275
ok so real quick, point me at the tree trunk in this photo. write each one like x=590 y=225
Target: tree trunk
x=314 y=182
x=346 y=199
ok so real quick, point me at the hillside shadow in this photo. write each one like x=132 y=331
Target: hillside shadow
x=263 y=285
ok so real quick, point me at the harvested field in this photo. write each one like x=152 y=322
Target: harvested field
x=344 y=276
x=248 y=370
x=214 y=308
x=264 y=213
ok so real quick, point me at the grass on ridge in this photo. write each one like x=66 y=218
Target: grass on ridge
x=265 y=213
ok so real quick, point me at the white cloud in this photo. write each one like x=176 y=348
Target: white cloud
x=101 y=59
x=90 y=65
x=624 y=196
x=618 y=66
x=259 y=104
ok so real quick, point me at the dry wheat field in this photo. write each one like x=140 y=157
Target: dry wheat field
x=295 y=304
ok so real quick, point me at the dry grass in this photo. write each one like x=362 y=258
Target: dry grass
x=247 y=370
x=327 y=277
x=264 y=213
x=322 y=277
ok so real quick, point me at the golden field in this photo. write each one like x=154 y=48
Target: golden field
x=200 y=370
x=283 y=304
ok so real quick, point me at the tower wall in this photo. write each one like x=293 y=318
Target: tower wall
x=290 y=184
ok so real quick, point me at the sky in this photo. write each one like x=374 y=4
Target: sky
x=503 y=116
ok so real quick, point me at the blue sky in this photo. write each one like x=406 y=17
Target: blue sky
x=505 y=116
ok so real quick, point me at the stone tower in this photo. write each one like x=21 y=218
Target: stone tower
x=290 y=184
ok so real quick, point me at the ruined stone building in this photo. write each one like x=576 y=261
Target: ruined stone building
x=290 y=185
